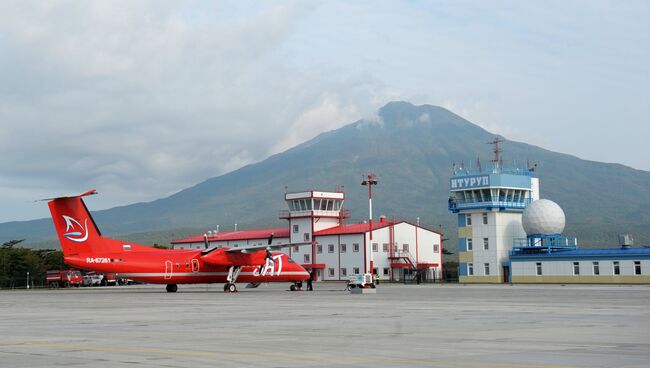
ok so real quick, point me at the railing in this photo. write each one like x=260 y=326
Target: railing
x=404 y=254
x=541 y=244
x=458 y=204
x=501 y=170
x=343 y=213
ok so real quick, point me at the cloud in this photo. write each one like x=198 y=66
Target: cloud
x=142 y=99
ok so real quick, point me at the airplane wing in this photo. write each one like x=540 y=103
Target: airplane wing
x=254 y=248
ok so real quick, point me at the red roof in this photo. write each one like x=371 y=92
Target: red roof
x=280 y=232
x=353 y=228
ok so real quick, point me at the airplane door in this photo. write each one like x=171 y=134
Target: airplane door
x=168 y=270
x=195 y=265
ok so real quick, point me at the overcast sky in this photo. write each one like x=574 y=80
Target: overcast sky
x=140 y=99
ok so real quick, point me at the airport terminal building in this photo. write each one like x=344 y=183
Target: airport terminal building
x=321 y=241
x=506 y=233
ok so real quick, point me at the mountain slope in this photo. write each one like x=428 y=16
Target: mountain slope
x=411 y=149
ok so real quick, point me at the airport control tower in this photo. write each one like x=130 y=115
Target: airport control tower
x=489 y=203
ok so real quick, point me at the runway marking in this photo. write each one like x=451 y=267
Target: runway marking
x=340 y=359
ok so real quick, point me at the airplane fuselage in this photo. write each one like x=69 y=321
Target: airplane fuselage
x=183 y=267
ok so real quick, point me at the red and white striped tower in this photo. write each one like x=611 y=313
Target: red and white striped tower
x=370 y=180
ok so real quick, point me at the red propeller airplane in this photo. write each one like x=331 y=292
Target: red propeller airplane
x=84 y=247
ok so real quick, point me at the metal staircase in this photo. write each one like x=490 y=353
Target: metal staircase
x=401 y=258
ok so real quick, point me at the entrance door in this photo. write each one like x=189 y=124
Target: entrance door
x=168 y=270
x=506 y=274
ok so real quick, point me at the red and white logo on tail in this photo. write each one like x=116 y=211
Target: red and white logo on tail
x=79 y=233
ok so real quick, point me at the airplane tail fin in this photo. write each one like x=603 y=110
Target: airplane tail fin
x=77 y=231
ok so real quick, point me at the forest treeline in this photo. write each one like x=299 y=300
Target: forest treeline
x=16 y=262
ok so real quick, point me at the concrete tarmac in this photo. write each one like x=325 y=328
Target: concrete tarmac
x=538 y=326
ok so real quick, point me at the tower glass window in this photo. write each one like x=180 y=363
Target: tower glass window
x=330 y=272
x=470 y=245
x=485 y=218
x=617 y=268
x=486 y=244
x=596 y=268
x=576 y=268
x=637 y=267
x=538 y=267
x=355 y=247
x=344 y=248
x=344 y=271
x=296 y=229
x=319 y=249
x=307 y=258
x=468 y=219
x=385 y=247
x=487 y=269
x=330 y=248
x=356 y=270
x=375 y=247
x=470 y=269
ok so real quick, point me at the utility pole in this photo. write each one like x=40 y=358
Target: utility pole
x=370 y=180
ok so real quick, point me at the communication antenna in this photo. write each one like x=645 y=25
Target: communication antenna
x=478 y=164
x=497 y=151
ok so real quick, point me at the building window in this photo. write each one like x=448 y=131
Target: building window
x=330 y=248
x=405 y=247
x=296 y=248
x=470 y=269
x=470 y=244
x=596 y=268
x=344 y=248
x=468 y=219
x=306 y=236
x=375 y=271
x=386 y=271
x=487 y=269
x=355 y=247
x=484 y=218
x=330 y=272
x=486 y=244
x=319 y=249
x=436 y=248
x=538 y=266
x=356 y=270
x=617 y=268
x=385 y=247
x=344 y=271
x=375 y=247
x=296 y=229
x=576 y=268
x=306 y=258
x=637 y=267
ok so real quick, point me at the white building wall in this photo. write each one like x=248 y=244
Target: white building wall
x=231 y=243
x=297 y=235
x=565 y=267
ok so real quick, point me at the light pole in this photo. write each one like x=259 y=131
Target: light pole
x=370 y=180
x=27 y=279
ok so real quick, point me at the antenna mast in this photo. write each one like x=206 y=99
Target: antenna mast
x=497 y=151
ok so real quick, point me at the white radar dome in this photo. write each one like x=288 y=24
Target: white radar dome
x=543 y=217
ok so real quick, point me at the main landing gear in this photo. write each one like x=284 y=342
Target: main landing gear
x=296 y=286
x=233 y=273
x=172 y=288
